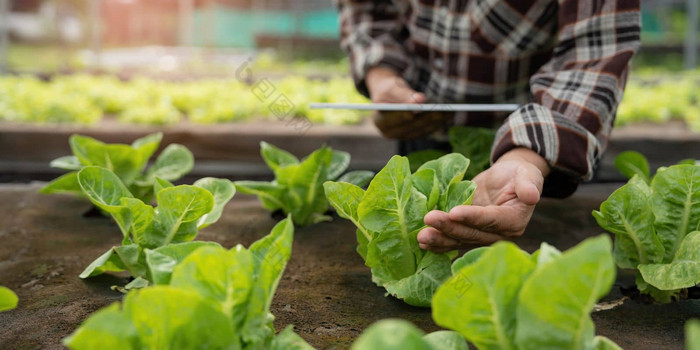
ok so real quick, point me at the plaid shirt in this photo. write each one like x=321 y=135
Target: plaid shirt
x=564 y=61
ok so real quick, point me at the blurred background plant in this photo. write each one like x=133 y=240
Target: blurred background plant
x=166 y=61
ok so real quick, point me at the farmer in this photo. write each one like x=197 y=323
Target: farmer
x=564 y=61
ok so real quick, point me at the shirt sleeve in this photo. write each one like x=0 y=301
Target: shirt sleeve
x=372 y=35
x=576 y=92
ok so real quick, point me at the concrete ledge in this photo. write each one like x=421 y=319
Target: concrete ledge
x=232 y=150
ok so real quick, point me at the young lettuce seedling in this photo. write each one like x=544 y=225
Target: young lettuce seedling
x=389 y=215
x=213 y=299
x=298 y=185
x=8 y=299
x=154 y=239
x=504 y=298
x=656 y=223
x=126 y=161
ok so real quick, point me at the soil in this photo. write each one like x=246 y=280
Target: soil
x=326 y=291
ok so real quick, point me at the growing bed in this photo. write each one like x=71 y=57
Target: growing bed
x=326 y=291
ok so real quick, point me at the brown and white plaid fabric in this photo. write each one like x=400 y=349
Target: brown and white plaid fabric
x=564 y=61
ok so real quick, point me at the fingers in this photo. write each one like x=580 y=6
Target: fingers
x=458 y=230
x=401 y=92
x=527 y=190
x=396 y=90
x=505 y=221
x=433 y=240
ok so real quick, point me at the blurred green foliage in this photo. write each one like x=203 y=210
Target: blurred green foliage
x=84 y=99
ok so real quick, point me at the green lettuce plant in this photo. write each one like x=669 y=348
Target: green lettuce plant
x=397 y=334
x=214 y=299
x=128 y=162
x=475 y=144
x=504 y=298
x=154 y=239
x=389 y=215
x=656 y=223
x=630 y=163
x=471 y=142
x=8 y=299
x=298 y=185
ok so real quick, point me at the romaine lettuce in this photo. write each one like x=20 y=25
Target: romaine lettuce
x=215 y=299
x=472 y=142
x=298 y=185
x=505 y=298
x=126 y=161
x=475 y=144
x=656 y=227
x=154 y=239
x=630 y=163
x=389 y=215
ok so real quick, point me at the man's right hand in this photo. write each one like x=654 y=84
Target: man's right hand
x=386 y=86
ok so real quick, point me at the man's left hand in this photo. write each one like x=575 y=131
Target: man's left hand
x=504 y=199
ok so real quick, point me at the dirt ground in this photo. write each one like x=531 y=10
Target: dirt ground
x=325 y=292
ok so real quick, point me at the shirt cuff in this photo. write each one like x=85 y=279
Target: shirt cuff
x=570 y=149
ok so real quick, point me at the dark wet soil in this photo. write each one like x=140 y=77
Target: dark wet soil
x=326 y=291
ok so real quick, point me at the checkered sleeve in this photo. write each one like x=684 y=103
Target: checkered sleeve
x=577 y=91
x=371 y=34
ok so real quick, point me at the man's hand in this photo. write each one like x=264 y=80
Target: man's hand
x=386 y=86
x=505 y=197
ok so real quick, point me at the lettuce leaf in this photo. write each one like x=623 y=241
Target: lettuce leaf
x=503 y=298
x=631 y=163
x=154 y=239
x=682 y=272
x=389 y=215
x=653 y=225
x=298 y=185
x=215 y=299
x=480 y=300
x=472 y=142
x=127 y=162
x=555 y=301
x=397 y=334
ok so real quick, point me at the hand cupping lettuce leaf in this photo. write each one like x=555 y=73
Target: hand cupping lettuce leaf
x=389 y=215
